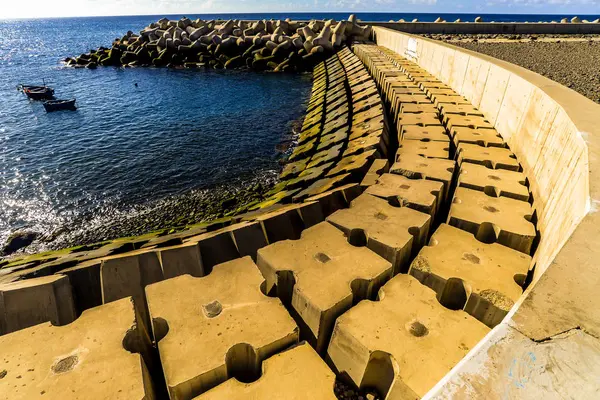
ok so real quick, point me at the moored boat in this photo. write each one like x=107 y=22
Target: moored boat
x=57 y=105
x=39 y=92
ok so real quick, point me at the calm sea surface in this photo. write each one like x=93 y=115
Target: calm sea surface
x=129 y=147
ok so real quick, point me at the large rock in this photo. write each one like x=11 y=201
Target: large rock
x=17 y=241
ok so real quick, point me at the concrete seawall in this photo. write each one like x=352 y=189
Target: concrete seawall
x=491 y=27
x=554 y=133
x=430 y=187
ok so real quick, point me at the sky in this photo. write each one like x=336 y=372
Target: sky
x=73 y=8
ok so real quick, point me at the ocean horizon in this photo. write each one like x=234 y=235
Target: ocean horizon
x=363 y=16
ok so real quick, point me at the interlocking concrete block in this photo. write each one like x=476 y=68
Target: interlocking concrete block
x=128 y=275
x=419 y=194
x=321 y=186
x=336 y=199
x=436 y=133
x=217 y=327
x=480 y=137
x=494 y=182
x=94 y=357
x=380 y=166
x=325 y=156
x=424 y=148
x=219 y=246
x=423 y=119
x=34 y=301
x=364 y=128
x=417 y=167
x=460 y=109
x=408 y=344
x=357 y=164
x=417 y=108
x=85 y=284
x=372 y=141
x=292 y=169
x=440 y=99
x=287 y=222
x=493 y=219
x=295 y=374
x=321 y=275
x=491 y=157
x=468 y=121
x=331 y=139
x=180 y=260
x=395 y=233
x=372 y=113
x=437 y=91
x=483 y=279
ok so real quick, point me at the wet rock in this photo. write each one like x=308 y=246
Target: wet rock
x=17 y=241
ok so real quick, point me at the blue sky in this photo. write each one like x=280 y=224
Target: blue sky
x=68 y=8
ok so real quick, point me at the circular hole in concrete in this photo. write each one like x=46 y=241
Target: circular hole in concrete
x=417 y=329
x=65 y=364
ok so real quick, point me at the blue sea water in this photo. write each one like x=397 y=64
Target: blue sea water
x=128 y=147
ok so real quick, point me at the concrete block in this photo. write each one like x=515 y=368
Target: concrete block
x=459 y=109
x=414 y=166
x=417 y=108
x=491 y=157
x=439 y=99
x=127 y=276
x=295 y=374
x=380 y=166
x=480 y=137
x=34 y=301
x=495 y=183
x=419 y=194
x=493 y=219
x=283 y=223
x=483 y=279
x=395 y=233
x=435 y=133
x=357 y=165
x=468 y=121
x=217 y=327
x=424 y=148
x=336 y=199
x=424 y=119
x=95 y=357
x=331 y=139
x=371 y=141
x=85 y=284
x=180 y=260
x=321 y=275
x=322 y=185
x=409 y=343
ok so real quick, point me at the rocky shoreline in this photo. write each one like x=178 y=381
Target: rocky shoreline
x=277 y=45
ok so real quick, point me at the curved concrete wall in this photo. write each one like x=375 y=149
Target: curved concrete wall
x=548 y=344
x=544 y=123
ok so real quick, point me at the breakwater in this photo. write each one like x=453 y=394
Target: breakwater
x=278 y=45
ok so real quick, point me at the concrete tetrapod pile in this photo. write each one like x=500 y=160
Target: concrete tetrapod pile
x=280 y=45
x=363 y=281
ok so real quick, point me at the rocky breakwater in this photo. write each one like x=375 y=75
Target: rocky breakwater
x=278 y=45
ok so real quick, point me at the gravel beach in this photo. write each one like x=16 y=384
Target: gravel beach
x=570 y=60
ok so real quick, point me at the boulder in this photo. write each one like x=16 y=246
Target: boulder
x=478 y=19
x=564 y=21
x=575 y=20
x=17 y=241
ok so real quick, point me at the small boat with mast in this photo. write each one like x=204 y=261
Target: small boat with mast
x=37 y=92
